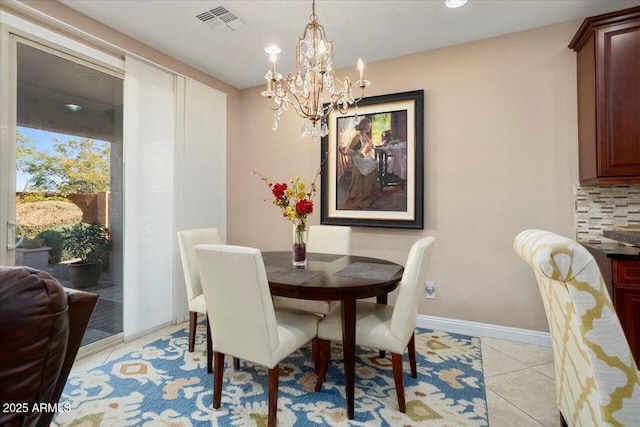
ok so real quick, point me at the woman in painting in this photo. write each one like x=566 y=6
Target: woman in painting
x=364 y=188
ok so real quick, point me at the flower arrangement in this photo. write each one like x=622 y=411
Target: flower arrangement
x=296 y=201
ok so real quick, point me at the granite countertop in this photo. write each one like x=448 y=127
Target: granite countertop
x=615 y=250
x=624 y=236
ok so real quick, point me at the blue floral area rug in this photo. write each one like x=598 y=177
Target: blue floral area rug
x=163 y=384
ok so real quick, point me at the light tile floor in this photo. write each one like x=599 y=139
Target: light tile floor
x=519 y=378
x=520 y=383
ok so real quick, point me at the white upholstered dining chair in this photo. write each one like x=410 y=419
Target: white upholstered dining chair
x=244 y=323
x=328 y=239
x=383 y=327
x=597 y=381
x=187 y=241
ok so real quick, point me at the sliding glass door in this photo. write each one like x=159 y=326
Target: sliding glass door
x=62 y=173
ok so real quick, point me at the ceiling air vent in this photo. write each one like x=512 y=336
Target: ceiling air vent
x=221 y=19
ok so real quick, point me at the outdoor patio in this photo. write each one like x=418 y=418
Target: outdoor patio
x=107 y=315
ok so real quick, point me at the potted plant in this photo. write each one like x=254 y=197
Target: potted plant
x=32 y=243
x=88 y=242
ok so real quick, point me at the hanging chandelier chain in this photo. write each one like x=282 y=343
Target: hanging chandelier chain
x=314 y=17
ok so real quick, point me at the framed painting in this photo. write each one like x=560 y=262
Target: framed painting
x=373 y=173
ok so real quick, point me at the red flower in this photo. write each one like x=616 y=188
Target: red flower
x=278 y=190
x=304 y=207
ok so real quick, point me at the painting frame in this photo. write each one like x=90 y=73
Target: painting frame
x=335 y=208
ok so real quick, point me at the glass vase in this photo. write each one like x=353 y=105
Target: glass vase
x=299 y=253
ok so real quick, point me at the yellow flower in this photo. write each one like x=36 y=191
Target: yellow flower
x=302 y=187
x=289 y=192
x=290 y=211
x=300 y=195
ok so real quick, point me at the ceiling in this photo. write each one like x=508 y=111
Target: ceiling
x=374 y=29
x=47 y=83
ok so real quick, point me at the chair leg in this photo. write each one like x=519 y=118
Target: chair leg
x=274 y=379
x=217 y=379
x=315 y=353
x=324 y=362
x=193 y=320
x=396 y=360
x=209 y=349
x=412 y=356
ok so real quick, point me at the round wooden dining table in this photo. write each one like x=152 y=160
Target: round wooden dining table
x=329 y=277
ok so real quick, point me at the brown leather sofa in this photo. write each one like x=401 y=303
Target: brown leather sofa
x=41 y=328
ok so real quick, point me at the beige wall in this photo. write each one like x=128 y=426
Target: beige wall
x=500 y=157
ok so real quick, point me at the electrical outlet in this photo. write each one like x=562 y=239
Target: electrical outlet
x=431 y=290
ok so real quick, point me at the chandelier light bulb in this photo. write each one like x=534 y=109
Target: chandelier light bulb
x=322 y=49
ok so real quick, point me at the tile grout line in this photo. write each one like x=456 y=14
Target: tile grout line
x=516 y=407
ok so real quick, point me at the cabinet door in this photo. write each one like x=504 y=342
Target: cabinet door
x=618 y=99
x=627 y=305
x=626 y=272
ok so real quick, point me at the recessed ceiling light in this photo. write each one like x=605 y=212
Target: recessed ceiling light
x=73 y=107
x=455 y=3
x=88 y=77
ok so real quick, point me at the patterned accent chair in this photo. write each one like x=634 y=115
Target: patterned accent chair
x=597 y=381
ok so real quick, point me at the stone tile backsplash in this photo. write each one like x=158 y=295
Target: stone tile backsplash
x=601 y=208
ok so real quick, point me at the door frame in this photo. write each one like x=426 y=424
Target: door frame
x=8 y=121
x=14 y=29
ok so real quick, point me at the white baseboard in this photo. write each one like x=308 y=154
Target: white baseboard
x=484 y=330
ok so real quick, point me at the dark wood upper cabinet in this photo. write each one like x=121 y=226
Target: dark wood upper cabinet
x=608 y=49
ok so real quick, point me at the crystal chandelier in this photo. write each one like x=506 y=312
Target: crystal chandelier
x=313 y=89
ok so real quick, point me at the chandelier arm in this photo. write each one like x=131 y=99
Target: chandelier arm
x=343 y=110
x=361 y=96
x=285 y=81
x=272 y=107
x=301 y=110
